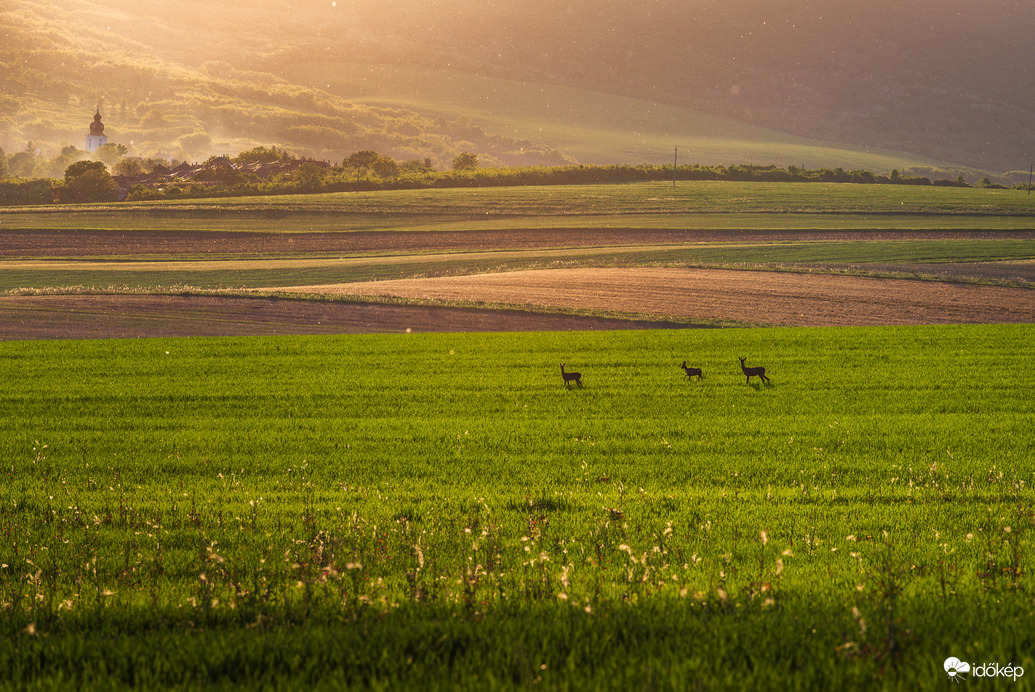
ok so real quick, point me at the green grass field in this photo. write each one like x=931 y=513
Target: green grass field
x=697 y=197
x=439 y=511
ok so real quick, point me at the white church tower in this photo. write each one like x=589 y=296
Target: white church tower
x=96 y=139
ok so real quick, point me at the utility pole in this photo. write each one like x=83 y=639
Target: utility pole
x=1030 y=169
x=675 y=164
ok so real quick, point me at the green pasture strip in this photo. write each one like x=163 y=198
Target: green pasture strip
x=189 y=220
x=576 y=200
x=878 y=251
x=639 y=198
x=818 y=252
x=305 y=222
x=279 y=271
x=868 y=510
x=817 y=223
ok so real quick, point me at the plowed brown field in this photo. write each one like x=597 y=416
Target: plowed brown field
x=743 y=296
x=688 y=296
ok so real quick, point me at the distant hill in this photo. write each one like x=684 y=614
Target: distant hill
x=58 y=64
x=820 y=83
x=590 y=127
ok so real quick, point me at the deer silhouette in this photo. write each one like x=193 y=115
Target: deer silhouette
x=692 y=372
x=751 y=372
x=569 y=376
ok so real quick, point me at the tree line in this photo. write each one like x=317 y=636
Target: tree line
x=93 y=181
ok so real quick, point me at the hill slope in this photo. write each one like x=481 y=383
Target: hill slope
x=736 y=80
x=591 y=127
x=57 y=64
x=943 y=78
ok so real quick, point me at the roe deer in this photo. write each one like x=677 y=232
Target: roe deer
x=569 y=376
x=692 y=372
x=750 y=372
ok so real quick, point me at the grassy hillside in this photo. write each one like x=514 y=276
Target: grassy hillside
x=926 y=76
x=522 y=83
x=60 y=63
x=586 y=126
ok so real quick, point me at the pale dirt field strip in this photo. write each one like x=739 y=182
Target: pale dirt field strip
x=747 y=296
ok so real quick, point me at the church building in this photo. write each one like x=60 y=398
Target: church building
x=96 y=139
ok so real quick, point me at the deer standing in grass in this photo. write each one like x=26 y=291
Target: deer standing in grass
x=569 y=376
x=751 y=372
x=692 y=372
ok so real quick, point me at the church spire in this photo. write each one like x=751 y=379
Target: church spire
x=96 y=139
x=97 y=127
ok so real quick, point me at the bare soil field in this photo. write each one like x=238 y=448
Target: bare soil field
x=773 y=298
x=684 y=297
x=140 y=316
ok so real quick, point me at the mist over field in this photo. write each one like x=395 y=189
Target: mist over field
x=519 y=83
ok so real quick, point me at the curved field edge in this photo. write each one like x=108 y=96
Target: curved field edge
x=246 y=500
x=115 y=316
x=1004 y=262
x=717 y=295
x=659 y=297
x=644 y=318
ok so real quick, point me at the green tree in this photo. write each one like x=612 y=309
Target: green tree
x=55 y=168
x=38 y=191
x=80 y=167
x=110 y=153
x=361 y=161
x=89 y=181
x=3 y=163
x=129 y=168
x=22 y=165
x=465 y=162
x=309 y=176
x=386 y=167
x=417 y=166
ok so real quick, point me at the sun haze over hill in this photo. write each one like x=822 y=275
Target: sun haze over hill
x=530 y=82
